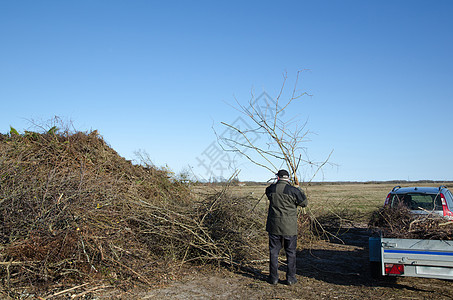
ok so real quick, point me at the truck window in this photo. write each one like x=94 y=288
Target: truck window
x=416 y=201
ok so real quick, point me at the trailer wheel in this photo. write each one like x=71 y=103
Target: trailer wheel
x=376 y=270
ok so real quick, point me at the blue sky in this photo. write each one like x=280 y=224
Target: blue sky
x=158 y=76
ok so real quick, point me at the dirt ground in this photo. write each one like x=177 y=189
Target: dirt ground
x=326 y=270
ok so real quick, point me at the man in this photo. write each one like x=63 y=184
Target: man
x=282 y=224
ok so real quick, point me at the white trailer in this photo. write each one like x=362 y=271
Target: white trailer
x=411 y=257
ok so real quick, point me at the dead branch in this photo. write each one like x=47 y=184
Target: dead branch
x=285 y=136
x=67 y=290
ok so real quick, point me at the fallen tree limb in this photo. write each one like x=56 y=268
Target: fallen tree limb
x=66 y=291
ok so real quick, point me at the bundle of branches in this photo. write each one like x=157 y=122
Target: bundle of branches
x=235 y=226
x=399 y=222
x=306 y=227
x=71 y=208
x=218 y=228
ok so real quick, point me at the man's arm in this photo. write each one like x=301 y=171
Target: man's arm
x=301 y=199
x=268 y=192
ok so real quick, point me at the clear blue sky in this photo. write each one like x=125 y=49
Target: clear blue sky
x=158 y=75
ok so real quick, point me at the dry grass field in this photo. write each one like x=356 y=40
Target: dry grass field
x=356 y=200
x=359 y=198
x=333 y=193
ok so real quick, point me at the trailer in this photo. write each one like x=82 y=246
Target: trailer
x=411 y=257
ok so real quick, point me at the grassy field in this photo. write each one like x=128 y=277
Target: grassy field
x=356 y=200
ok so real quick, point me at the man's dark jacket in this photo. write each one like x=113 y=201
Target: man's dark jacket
x=284 y=199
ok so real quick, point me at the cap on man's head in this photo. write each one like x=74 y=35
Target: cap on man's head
x=282 y=174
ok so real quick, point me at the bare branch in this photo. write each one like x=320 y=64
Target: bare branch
x=285 y=136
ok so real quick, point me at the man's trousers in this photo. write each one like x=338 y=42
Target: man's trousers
x=276 y=243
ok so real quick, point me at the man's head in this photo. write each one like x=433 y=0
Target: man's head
x=283 y=174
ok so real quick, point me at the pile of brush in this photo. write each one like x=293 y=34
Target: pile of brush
x=72 y=209
x=399 y=222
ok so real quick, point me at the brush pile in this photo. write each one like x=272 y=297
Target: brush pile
x=72 y=209
x=399 y=222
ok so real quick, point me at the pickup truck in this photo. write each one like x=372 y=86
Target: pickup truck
x=411 y=257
